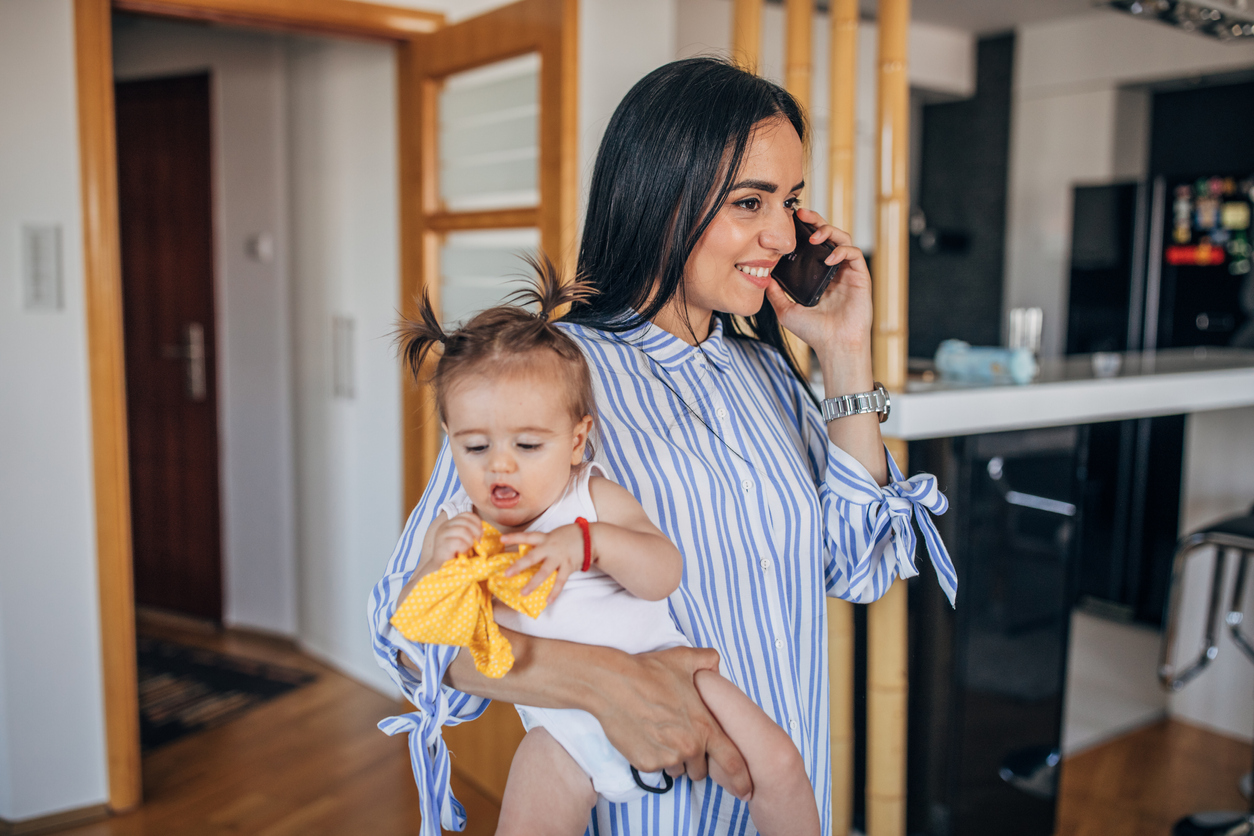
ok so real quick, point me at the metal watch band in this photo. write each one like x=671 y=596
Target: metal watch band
x=843 y=406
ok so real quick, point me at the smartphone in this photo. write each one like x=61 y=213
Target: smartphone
x=802 y=272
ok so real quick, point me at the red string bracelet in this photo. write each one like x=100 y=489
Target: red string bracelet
x=587 y=543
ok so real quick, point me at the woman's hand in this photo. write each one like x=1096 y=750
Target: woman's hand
x=655 y=717
x=840 y=324
x=647 y=703
x=838 y=328
x=560 y=551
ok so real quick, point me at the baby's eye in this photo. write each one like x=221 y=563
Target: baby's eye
x=529 y=446
x=476 y=448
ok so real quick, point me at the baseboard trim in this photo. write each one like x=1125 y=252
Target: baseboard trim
x=57 y=821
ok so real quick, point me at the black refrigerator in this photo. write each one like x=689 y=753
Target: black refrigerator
x=1164 y=264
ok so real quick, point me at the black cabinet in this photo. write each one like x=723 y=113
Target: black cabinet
x=987 y=679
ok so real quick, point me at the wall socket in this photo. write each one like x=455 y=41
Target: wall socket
x=41 y=268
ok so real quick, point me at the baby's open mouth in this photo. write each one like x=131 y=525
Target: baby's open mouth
x=503 y=496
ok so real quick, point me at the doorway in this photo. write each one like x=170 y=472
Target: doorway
x=165 y=209
x=425 y=54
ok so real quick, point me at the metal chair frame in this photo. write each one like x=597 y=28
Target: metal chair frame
x=1175 y=677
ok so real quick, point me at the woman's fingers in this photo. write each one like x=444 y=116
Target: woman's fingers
x=824 y=230
x=723 y=752
x=779 y=299
x=843 y=253
x=655 y=717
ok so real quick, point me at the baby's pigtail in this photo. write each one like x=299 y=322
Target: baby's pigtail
x=416 y=337
x=548 y=292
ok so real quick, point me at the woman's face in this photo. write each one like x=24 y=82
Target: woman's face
x=730 y=267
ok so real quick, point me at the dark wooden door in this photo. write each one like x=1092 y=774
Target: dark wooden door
x=165 y=204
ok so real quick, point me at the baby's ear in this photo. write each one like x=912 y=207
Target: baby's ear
x=580 y=440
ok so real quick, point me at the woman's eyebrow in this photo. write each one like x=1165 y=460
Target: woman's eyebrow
x=764 y=186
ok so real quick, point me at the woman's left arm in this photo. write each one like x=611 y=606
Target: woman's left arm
x=838 y=328
x=867 y=502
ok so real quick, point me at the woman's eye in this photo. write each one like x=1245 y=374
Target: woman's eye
x=792 y=203
x=750 y=203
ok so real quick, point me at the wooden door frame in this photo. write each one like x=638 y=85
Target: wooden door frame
x=102 y=275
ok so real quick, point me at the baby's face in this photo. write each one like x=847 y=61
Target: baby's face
x=513 y=442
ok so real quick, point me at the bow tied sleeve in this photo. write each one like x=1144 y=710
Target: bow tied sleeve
x=878 y=542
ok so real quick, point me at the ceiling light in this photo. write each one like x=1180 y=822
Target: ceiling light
x=1225 y=20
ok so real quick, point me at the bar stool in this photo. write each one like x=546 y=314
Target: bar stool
x=1233 y=535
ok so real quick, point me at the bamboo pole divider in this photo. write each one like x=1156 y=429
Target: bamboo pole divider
x=892 y=185
x=747 y=33
x=842 y=135
x=841 y=138
x=798 y=49
x=887 y=644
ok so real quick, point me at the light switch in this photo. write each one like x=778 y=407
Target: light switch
x=41 y=268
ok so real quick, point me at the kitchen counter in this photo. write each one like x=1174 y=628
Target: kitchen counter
x=1067 y=391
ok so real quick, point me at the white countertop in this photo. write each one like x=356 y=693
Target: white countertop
x=1166 y=382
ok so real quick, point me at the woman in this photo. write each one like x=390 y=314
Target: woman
x=707 y=421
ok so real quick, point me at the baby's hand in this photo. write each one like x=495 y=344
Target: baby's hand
x=455 y=536
x=560 y=551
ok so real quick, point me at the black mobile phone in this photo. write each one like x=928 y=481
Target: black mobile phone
x=802 y=272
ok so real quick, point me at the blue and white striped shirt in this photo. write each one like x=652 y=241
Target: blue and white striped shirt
x=731 y=459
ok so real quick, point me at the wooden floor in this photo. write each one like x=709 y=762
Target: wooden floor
x=312 y=763
x=1142 y=783
x=309 y=763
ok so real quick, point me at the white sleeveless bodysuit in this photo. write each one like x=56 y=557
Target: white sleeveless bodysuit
x=591 y=609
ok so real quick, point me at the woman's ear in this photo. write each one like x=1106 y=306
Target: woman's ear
x=580 y=440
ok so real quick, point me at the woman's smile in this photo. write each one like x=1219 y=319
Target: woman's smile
x=758 y=272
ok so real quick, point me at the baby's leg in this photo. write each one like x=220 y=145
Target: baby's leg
x=783 y=798
x=547 y=792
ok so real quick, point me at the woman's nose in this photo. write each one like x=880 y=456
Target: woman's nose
x=779 y=234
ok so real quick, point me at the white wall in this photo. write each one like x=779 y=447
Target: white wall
x=51 y=720
x=342 y=135
x=942 y=64
x=1071 y=122
x=619 y=43
x=249 y=147
x=1218 y=483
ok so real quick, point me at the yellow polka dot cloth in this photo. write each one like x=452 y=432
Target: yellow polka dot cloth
x=453 y=604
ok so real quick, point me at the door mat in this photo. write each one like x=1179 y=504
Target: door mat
x=184 y=689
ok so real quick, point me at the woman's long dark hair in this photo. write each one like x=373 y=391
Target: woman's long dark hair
x=666 y=165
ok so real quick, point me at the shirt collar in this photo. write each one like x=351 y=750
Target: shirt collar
x=672 y=353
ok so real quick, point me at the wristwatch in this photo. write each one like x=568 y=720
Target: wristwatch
x=843 y=406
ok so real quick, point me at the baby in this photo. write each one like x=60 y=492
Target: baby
x=515 y=399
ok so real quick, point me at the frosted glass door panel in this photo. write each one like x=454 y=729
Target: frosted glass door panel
x=489 y=136
x=479 y=269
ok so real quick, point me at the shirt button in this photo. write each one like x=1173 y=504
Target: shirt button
x=779 y=644
x=792 y=724
x=721 y=413
x=765 y=563
x=747 y=485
